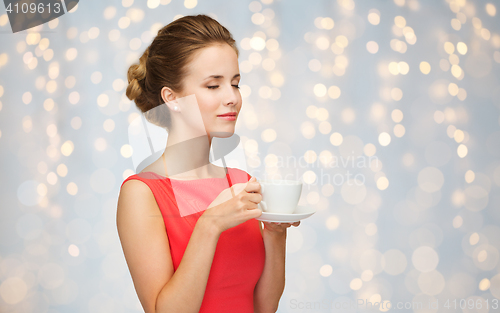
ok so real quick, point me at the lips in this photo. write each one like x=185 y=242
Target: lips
x=230 y=114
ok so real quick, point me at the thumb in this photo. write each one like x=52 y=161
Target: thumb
x=251 y=180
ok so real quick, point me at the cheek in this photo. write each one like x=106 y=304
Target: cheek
x=209 y=116
x=208 y=104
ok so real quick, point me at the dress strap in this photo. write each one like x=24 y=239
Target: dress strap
x=228 y=177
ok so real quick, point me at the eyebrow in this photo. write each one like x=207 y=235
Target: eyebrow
x=220 y=76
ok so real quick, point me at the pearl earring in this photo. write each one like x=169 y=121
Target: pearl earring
x=176 y=108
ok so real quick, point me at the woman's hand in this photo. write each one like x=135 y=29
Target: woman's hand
x=277 y=228
x=234 y=206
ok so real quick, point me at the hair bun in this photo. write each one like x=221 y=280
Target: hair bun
x=133 y=90
x=136 y=73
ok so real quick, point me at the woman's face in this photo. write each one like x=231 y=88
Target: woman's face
x=213 y=77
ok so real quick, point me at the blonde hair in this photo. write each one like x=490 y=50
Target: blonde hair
x=164 y=62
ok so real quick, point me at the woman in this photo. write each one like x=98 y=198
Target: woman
x=217 y=258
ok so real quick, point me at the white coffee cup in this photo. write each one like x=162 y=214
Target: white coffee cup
x=280 y=196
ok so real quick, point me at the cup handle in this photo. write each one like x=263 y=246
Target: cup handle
x=263 y=206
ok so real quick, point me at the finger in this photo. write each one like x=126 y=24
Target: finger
x=280 y=226
x=270 y=225
x=251 y=180
x=251 y=206
x=296 y=223
x=254 y=212
x=252 y=186
x=255 y=197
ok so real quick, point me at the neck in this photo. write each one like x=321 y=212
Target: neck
x=188 y=154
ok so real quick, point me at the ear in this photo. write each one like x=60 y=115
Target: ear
x=169 y=98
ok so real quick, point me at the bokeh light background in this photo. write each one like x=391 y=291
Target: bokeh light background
x=411 y=86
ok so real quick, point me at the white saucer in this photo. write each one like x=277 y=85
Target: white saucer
x=300 y=213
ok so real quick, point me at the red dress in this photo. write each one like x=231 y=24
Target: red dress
x=239 y=256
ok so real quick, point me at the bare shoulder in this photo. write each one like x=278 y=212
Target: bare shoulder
x=133 y=189
x=144 y=241
x=136 y=197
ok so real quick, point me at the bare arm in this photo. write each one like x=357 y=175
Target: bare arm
x=271 y=284
x=145 y=244
x=185 y=290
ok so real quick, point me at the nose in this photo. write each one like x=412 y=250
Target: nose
x=231 y=96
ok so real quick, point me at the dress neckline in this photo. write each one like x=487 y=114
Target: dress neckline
x=185 y=180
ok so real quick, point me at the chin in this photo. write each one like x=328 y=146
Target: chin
x=222 y=134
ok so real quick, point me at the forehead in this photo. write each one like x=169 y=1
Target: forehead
x=218 y=59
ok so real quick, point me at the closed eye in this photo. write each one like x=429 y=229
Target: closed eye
x=215 y=87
